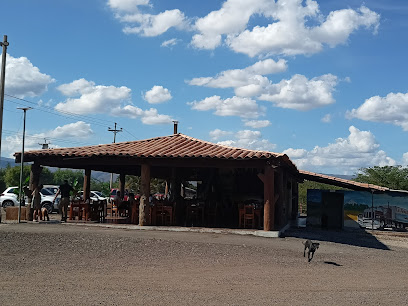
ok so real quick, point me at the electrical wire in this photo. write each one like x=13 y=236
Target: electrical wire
x=50 y=110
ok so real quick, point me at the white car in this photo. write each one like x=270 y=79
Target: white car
x=94 y=195
x=9 y=198
x=52 y=190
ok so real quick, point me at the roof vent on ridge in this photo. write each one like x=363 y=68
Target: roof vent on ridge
x=175 y=126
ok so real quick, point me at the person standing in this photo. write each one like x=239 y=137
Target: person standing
x=65 y=190
x=37 y=202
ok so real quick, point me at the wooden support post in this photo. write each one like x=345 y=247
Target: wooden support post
x=122 y=179
x=269 y=197
x=285 y=207
x=87 y=184
x=281 y=202
x=144 y=208
x=166 y=189
x=295 y=199
x=34 y=182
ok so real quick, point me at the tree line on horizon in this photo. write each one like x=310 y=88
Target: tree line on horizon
x=10 y=176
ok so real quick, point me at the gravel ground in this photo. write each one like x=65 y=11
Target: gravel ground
x=51 y=263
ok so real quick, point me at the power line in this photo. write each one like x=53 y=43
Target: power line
x=50 y=110
x=40 y=137
x=131 y=134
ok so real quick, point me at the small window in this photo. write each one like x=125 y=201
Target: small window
x=11 y=190
x=45 y=191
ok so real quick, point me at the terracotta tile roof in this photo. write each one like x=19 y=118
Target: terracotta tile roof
x=332 y=180
x=173 y=146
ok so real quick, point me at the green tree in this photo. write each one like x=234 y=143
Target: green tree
x=157 y=185
x=46 y=177
x=3 y=185
x=132 y=183
x=100 y=186
x=71 y=176
x=12 y=175
x=393 y=177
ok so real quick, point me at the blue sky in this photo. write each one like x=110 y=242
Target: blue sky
x=322 y=81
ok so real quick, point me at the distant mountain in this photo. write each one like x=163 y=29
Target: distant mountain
x=346 y=177
x=4 y=162
x=99 y=176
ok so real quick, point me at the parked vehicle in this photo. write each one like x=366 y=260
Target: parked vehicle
x=94 y=195
x=384 y=216
x=52 y=190
x=9 y=198
x=113 y=194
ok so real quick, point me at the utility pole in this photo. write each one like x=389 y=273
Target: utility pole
x=3 y=44
x=21 y=195
x=115 y=131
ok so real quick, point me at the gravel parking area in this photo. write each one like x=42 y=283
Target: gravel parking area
x=51 y=263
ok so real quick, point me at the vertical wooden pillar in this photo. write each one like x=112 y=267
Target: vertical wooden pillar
x=144 y=208
x=87 y=184
x=281 y=200
x=285 y=190
x=269 y=197
x=166 y=189
x=295 y=199
x=34 y=182
x=122 y=178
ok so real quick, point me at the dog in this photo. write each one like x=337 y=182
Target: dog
x=44 y=214
x=312 y=247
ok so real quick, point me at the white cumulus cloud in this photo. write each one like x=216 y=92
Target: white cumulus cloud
x=130 y=13
x=154 y=25
x=149 y=116
x=235 y=106
x=84 y=97
x=405 y=159
x=232 y=18
x=392 y=109
x=345 y=155
x=218 y=134
x=293 y=26
x=288 y=33
x=170 y=43
x=326 y=118
x=74 y=131
x=158 y=94
x=300 y=93
x=23 y=79
x=92 y=98
x=246 y=139
x=257 y=124
x=127 y=5
x=236 y=78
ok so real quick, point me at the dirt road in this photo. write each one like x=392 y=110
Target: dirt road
x=65 y=264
